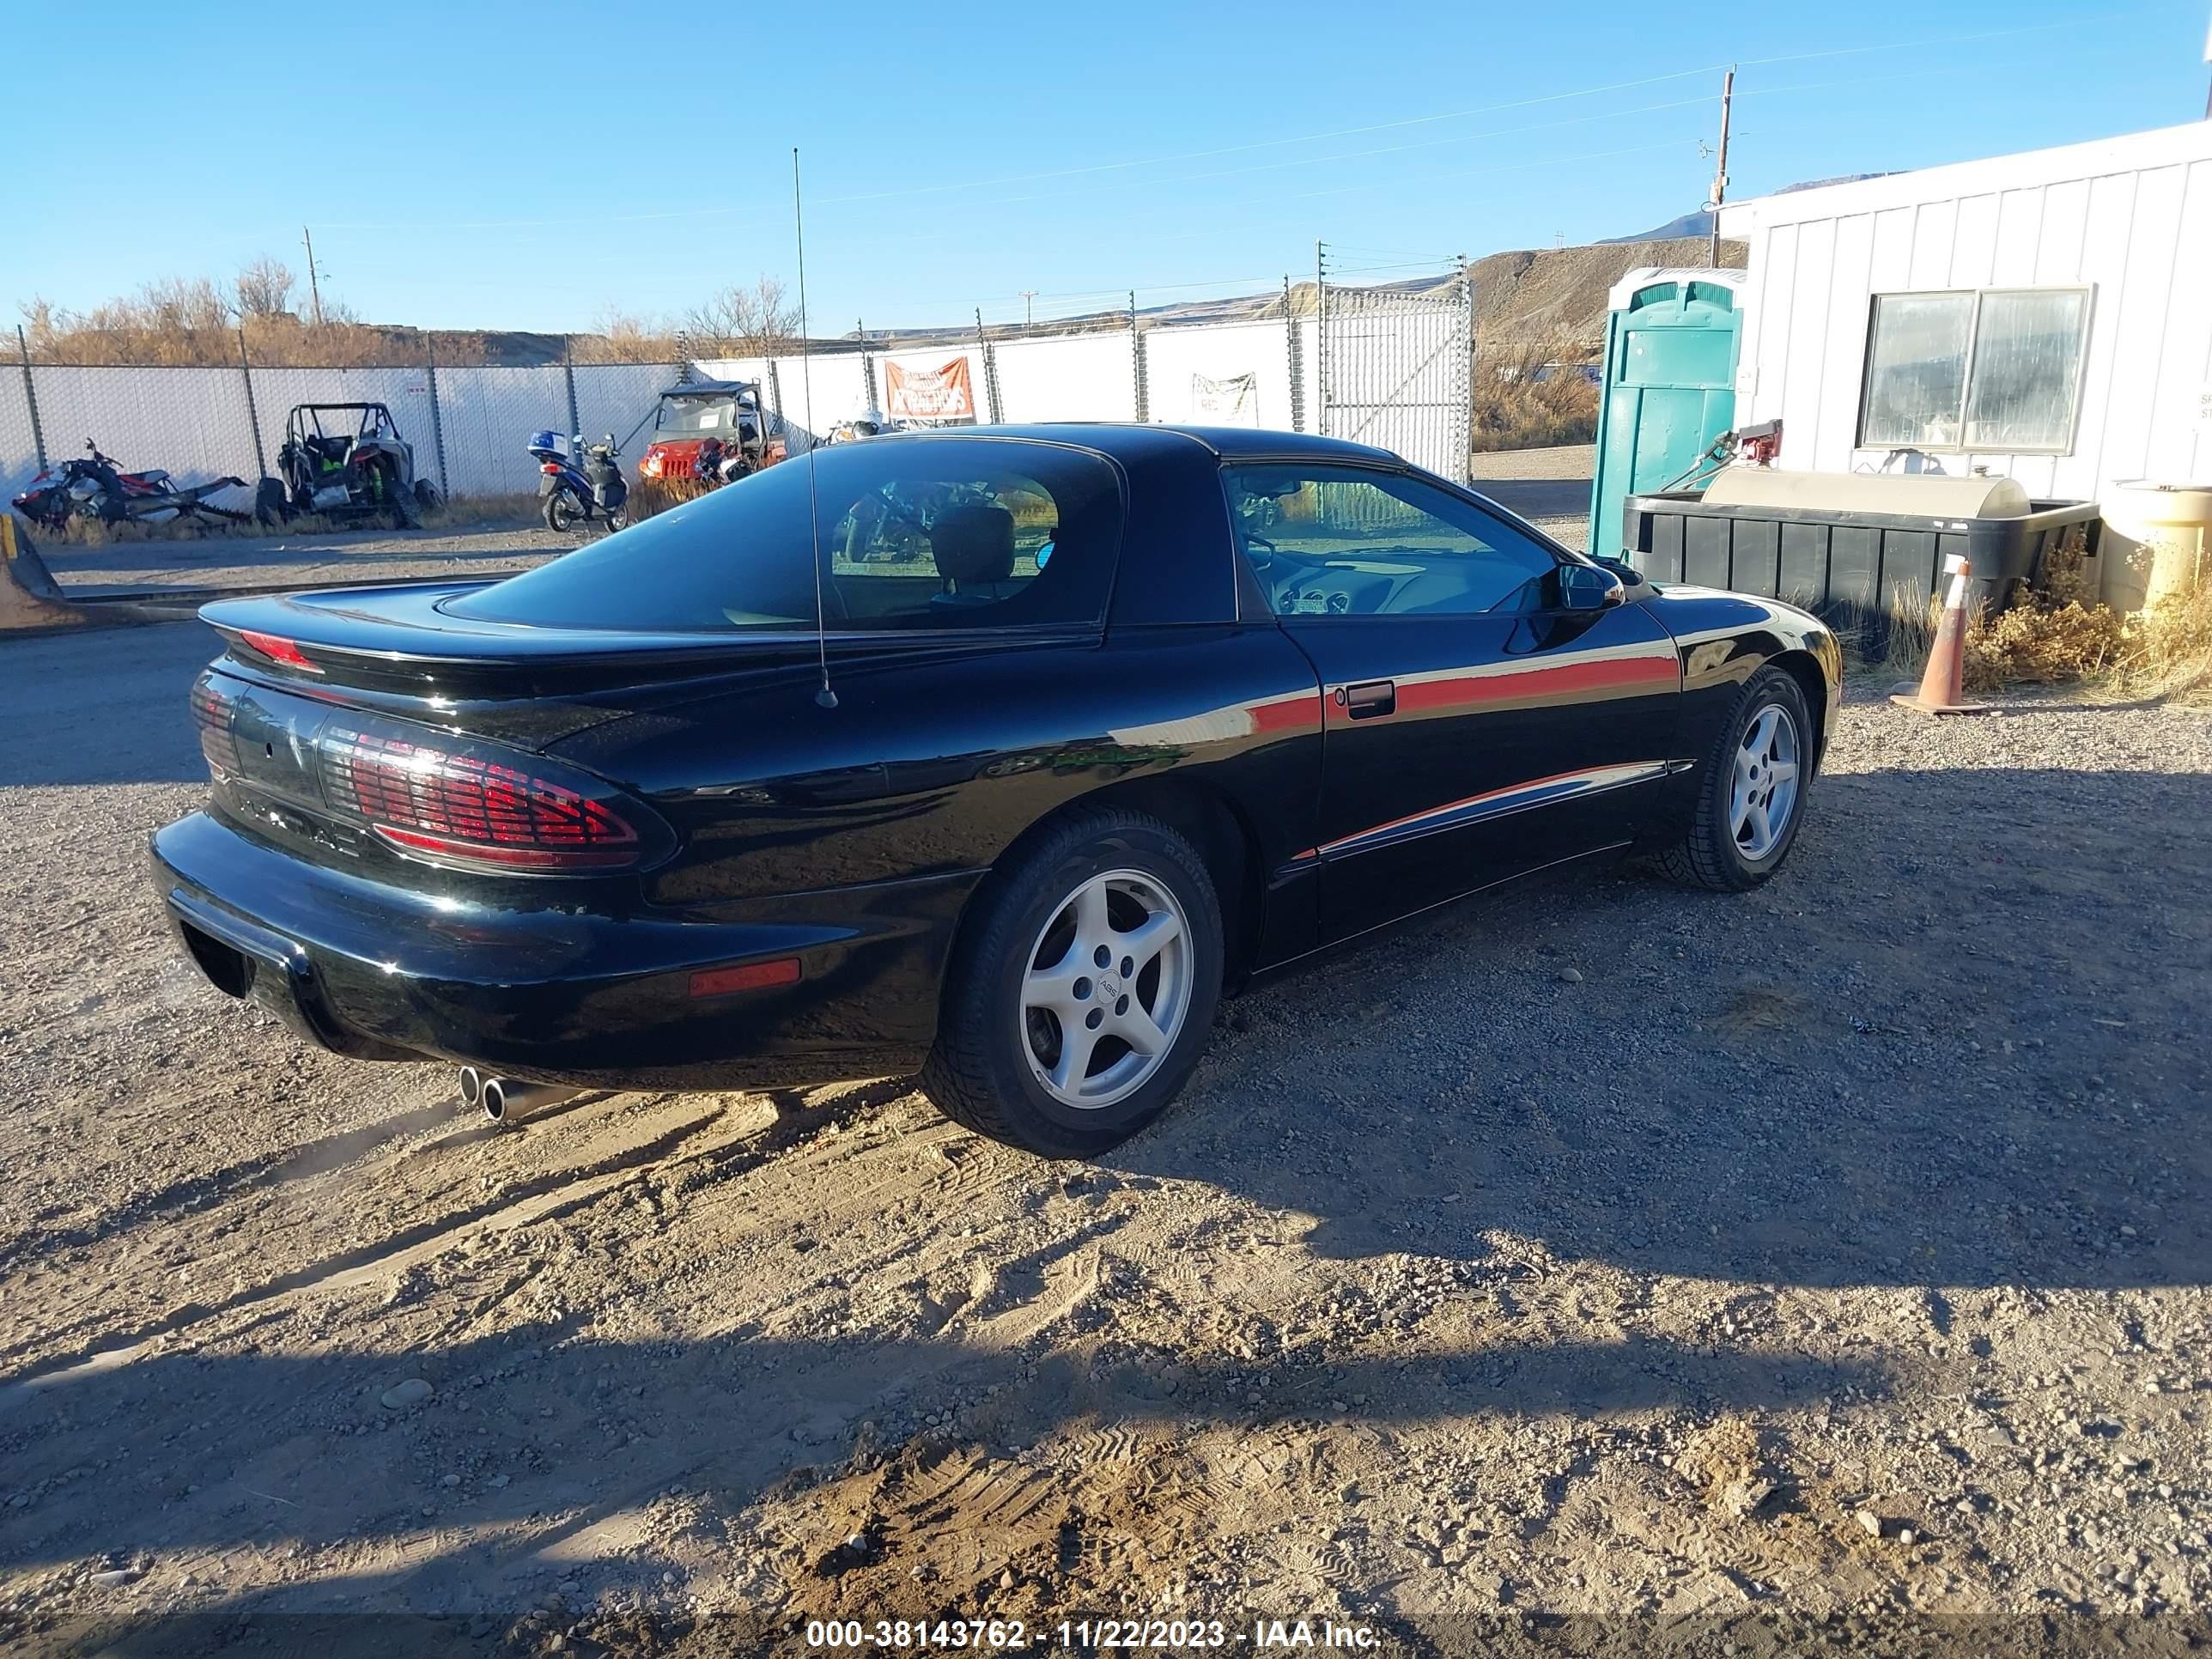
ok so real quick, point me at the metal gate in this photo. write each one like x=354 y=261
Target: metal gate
x=1395 y=370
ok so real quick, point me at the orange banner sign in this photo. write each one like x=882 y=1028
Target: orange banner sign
x=945 y=393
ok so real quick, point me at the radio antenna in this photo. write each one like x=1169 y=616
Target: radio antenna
x=825 y=696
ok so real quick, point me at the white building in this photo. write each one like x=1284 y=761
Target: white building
x=2045 y=316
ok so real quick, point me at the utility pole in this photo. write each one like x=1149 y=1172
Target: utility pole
x=1720 y=169
x=315 y=287
x=1028 y=311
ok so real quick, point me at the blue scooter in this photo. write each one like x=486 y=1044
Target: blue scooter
x=570 y=491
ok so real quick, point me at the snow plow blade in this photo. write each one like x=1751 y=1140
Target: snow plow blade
x=29 y=597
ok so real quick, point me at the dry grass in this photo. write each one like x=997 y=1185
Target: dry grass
x=650 y=495
x=1533 y=398
x=2063 y=635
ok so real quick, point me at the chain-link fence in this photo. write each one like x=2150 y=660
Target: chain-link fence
x=469 y=426
x=1389 y=368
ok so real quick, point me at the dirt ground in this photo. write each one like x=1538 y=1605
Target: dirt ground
x=1773 y=1267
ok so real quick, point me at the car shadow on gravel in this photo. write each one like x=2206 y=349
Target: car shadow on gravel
x=1958 y=1041
x=533 y=1438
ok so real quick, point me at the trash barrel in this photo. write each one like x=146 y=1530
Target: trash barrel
x=2158 y=544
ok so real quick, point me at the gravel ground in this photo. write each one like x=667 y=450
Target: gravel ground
x=220 y=562
x=1782 y=1264
x=1548 y=487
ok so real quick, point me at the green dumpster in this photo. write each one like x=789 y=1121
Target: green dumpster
x=1671 y=342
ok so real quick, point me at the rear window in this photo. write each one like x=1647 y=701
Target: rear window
x=916 y=533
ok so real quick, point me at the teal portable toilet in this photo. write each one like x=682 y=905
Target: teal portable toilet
x=1671 y=342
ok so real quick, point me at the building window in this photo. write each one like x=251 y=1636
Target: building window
x=1996 y=369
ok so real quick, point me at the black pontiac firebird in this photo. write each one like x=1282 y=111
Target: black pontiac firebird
x=1114 y=716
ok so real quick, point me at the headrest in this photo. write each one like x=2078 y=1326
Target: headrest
x=973 y=543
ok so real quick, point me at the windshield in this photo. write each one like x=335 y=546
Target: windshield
x=916 y=533
x=713 y=412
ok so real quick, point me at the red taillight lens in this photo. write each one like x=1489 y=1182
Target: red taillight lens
x=279 y=649
x=211 y=712
x=468 y=809
x=551 y=469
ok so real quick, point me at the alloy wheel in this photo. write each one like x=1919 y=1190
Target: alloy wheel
x=1763 y=794
x=1107 y=988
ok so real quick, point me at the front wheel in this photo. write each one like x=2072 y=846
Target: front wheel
x=1081 y=995
x=1752 y=795
x=560 y=512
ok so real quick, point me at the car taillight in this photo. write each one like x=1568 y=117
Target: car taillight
x=279 y=649
x=211 y=712
x=458 y=807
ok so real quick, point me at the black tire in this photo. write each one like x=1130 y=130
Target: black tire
x=560 y=512
x=979 y=1072
x=270 y=504
x=427 y=499
x=1709 y=856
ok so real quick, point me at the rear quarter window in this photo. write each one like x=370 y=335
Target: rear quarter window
x=921 y=533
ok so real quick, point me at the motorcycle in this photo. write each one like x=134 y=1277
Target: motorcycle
x=96 y=488
x=570 y=491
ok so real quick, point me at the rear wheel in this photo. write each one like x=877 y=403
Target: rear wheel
x=426 y=496
x=1753 y=793
x=270 y=504
x=1082 y=990
x=560 y=512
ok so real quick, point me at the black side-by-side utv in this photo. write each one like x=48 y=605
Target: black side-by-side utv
x=345 y=460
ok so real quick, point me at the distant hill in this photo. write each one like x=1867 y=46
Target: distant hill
x=1700 y=224
x=1552 y=299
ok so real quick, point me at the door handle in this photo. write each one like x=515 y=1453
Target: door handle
x=1371 y=698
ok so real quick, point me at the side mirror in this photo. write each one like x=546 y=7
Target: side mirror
x=1588 y=588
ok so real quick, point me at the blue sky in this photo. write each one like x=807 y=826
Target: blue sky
x=505 y=166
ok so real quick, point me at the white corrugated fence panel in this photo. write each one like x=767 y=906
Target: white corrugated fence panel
x=1176 y=360
x=19 y=448
x=191 y=423
x=489 y=414
x=621 y=399
x=1090 y=377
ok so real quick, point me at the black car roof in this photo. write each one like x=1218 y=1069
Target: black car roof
x=1128 y=440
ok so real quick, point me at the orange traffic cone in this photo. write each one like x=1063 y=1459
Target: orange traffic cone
x=1943 y=687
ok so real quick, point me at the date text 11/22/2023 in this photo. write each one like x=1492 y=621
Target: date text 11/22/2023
x=1088 y=1635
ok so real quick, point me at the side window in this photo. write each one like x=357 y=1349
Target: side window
x=920 y=533
x=948 y=551
x=1345 y=541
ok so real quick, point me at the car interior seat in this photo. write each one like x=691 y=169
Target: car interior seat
x=972 y=544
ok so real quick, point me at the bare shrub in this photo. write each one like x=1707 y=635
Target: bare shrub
x=743 y=320
x=1531 y=397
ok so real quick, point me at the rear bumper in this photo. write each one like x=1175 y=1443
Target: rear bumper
x=557 y=994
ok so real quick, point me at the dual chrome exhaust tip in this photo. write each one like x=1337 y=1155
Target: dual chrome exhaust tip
x=504 y=1099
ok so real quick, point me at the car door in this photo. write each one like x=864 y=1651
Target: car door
x=1483 y=715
